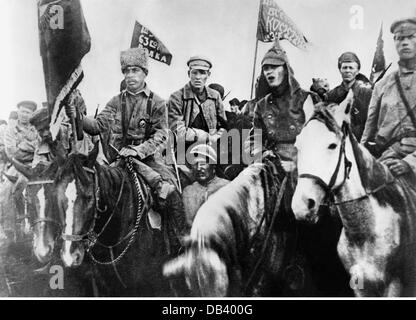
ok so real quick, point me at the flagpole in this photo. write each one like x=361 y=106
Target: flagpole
x=254 y=68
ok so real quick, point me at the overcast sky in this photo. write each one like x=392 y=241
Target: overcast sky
x=224 y=30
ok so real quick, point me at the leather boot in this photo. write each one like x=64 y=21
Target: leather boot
x=175 y=223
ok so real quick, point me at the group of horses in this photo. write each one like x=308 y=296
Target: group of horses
x=247 y=239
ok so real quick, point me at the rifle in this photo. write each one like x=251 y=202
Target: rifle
x=382 y=74
x=96 y=111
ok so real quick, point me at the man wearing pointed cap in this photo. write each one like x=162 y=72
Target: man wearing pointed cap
x=135 y=123
x=349 y=67
x=206 y=181
x=279 y=115
x=390 y=130
x=196 y=112
x=20 y=142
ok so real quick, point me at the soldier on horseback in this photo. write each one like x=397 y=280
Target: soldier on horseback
x=279 y=115
x=20 y=142
x=135 y=123
x=349 y=66
x=390 y=130
x=47 y=149
x=196 y=112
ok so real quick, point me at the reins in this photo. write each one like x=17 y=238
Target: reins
x=268 y=234
x=91 y=237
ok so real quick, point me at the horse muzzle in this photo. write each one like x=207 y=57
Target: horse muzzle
x=305 y=202
x=43 y=252
x=72 y=254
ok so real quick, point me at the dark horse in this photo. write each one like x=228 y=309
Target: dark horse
x=241 y=241
x=46 y=225
x=42 y=212
x=106 y=215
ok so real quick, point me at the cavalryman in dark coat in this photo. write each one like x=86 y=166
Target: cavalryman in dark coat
x=349 y=66
x=279 y=115
x=390 y=131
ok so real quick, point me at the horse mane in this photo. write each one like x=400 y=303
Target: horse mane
x=372 y=172
x=74 y=163
x=108 y=177
x=323 y=115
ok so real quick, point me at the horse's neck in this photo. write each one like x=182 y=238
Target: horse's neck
x=110 y=182
x=355 y=208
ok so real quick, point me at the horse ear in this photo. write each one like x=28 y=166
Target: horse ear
x=308 y=108
x=342 y=113
x=92 y=156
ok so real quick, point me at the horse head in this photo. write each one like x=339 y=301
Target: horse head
x=75 y=187
x=321 y=159
x=204 y=272
x=42 y=207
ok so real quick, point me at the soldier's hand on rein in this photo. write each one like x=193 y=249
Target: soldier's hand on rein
x=70 y=110
x=128 y=152
x=398 y=167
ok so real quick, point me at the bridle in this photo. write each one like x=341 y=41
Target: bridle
x=328 y=187
x=91 y=238
x=46 y=219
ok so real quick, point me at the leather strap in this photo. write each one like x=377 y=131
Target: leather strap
x=149 y=112
x=124 y=125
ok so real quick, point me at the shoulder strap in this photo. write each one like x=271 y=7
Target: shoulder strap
x=124 y=125
x=404 y=99
x=149 y=104
x=149 y=112
x=187 y=111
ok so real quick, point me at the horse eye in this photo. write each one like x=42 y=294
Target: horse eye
x=332 y=146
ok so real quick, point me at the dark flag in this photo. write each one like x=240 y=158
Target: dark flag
x=144 y=38
x=274 y=23
x=64 y=40
x=379 y=62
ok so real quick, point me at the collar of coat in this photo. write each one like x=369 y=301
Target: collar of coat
x=188 y=94
x=145 y=90
x=404 y=70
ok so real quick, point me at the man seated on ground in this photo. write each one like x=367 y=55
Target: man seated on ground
x=207 y=182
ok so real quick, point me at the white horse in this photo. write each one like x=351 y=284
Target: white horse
x=377 y=244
